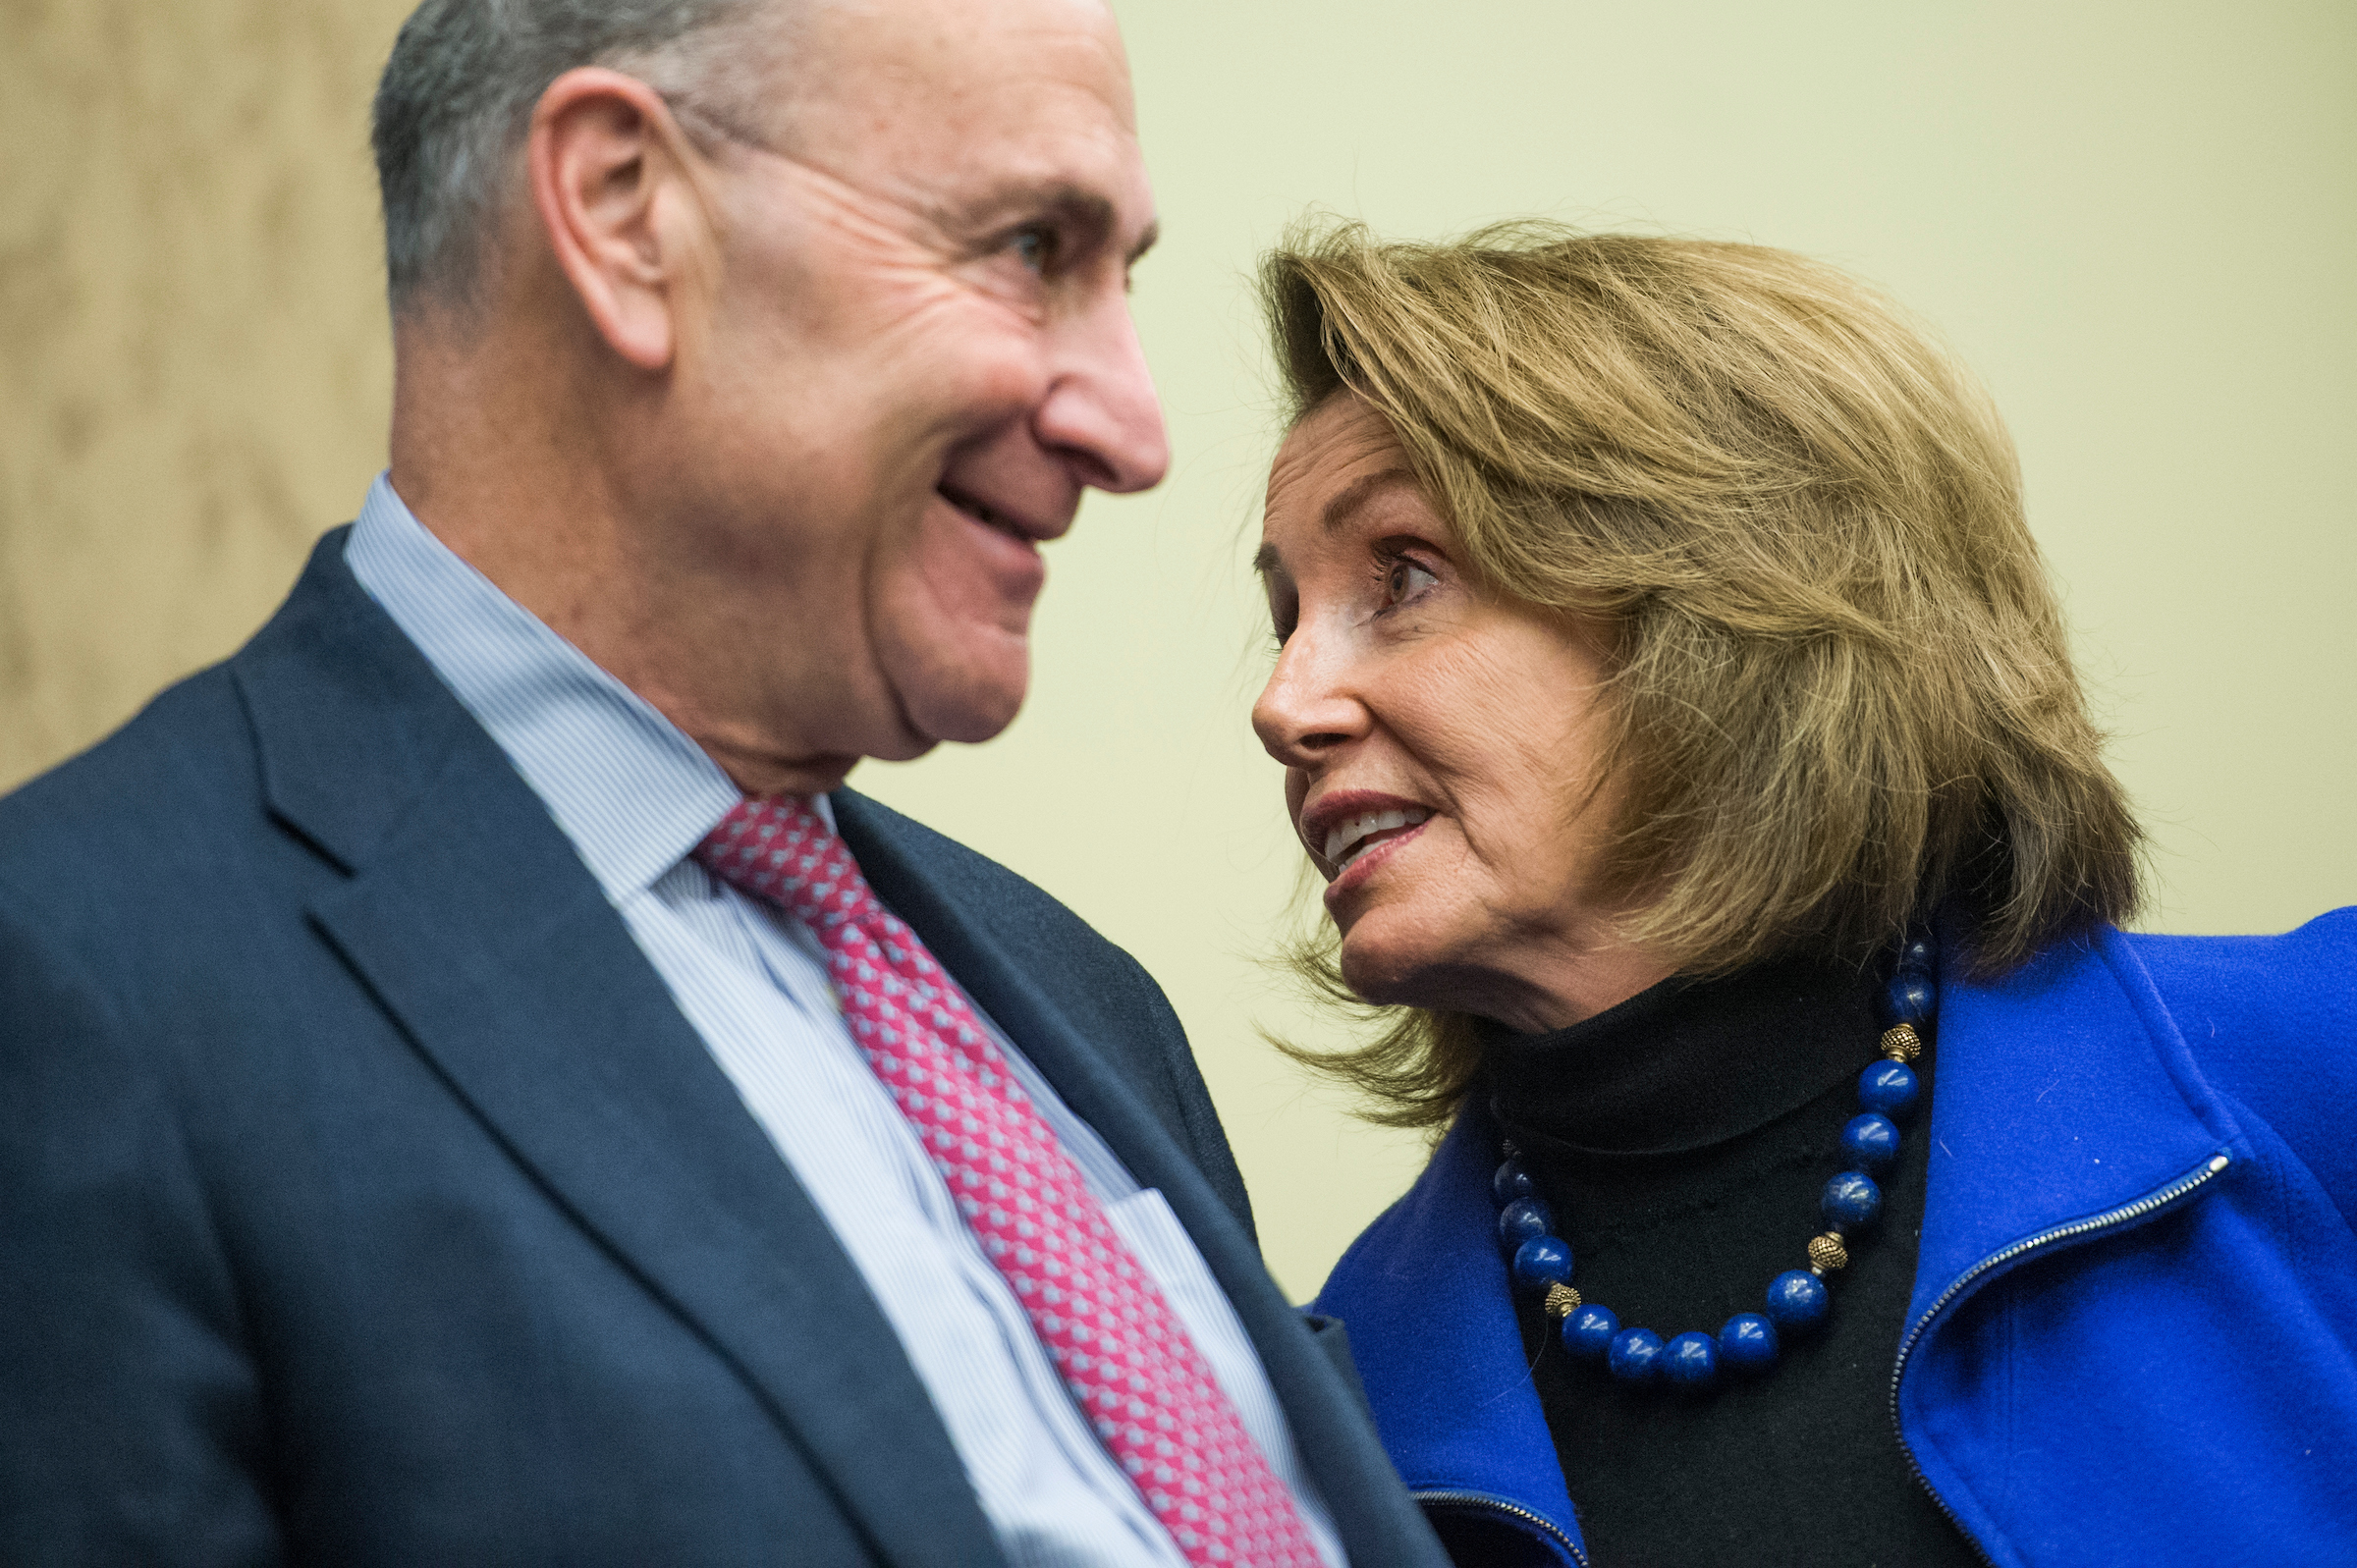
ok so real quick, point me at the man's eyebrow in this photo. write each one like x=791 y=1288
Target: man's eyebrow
x=1145 y=242
x=1085 y=210
x=1266 y=560
x=1358 y=492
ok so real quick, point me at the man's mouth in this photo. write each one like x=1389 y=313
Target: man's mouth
x=1354 y=836
x=985 y=513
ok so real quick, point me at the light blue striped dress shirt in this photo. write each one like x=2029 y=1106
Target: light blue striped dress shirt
x=635 y=795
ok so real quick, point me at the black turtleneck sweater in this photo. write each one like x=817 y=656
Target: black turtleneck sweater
x=1683 y=1138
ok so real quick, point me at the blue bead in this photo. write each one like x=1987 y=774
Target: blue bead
x=1589 y=1332
x=1872 y=1140
x=1747 y=1344
x=1918 y=956
x=1909 y=1000
x=1540 y=1262
x=1635 y=1354
x=1524 y=1220
x=1512 y=1182
x=1796 y=1300
x=1691 y=1362
x=1889 y=1087
x=1851 y=1201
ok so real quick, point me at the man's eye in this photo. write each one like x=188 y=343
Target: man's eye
x=1405 y=580
x=1035 y=248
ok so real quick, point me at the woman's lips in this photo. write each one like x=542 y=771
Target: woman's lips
x=1378 y=849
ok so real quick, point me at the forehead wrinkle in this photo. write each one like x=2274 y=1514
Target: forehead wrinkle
x=1355 y=495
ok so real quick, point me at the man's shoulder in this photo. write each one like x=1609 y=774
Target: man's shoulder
x=163 y=793
x=177 y=791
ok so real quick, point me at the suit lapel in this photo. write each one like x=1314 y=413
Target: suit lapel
x=1377 y=1522
x=961 y=937
x=478 y=929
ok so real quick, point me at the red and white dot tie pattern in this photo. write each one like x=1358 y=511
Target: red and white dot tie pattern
x=1122 y=1352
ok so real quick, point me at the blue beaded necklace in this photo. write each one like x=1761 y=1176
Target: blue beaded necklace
x=1797 y=1299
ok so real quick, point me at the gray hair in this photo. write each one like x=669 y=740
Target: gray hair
x=458 y=95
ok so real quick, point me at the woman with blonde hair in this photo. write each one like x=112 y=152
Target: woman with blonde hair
x=1675 y=703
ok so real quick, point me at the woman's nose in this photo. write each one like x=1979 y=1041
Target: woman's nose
x=1307 y=709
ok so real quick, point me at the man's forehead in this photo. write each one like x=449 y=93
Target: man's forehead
x=1001 y=107
x=958 y=56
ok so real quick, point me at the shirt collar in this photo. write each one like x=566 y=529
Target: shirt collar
x=631 y=790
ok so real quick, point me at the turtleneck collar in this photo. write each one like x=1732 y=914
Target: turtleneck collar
x=1686 y=1064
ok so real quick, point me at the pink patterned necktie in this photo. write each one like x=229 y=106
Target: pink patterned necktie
x=1122 y=1352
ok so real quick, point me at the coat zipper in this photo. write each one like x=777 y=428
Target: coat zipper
x=1522 y=1515
x=2149 y=1203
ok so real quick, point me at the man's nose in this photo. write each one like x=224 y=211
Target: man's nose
x=1306 y=710
x=1102 y=409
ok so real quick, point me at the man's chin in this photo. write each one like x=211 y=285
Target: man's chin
x=967 y=705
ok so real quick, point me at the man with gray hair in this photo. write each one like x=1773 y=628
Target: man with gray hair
x=474 y=1086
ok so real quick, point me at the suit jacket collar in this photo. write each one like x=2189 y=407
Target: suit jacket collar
x=468 y=913
x=653 y=795
x=2062 y=1093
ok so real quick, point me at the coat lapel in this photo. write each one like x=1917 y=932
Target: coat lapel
x=478 y=929
x=1431 y=1313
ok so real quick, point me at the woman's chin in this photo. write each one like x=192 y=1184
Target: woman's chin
x=1389 y=969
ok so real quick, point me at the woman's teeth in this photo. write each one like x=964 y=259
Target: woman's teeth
x=1347 y=839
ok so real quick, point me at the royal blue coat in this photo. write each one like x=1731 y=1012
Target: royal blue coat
x=2134 y=1334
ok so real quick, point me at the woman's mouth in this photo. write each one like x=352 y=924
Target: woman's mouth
x=1354 y=836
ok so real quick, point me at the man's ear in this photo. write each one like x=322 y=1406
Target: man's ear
x=611 y=185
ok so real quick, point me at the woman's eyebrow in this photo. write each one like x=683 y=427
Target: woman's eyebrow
x=1358 y=492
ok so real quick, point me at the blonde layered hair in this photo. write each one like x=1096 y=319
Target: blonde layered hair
x=1841 y=695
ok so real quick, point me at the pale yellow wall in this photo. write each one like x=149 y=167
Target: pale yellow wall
x=2137 y=221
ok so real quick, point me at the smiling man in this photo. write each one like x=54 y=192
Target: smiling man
x=474 y=1086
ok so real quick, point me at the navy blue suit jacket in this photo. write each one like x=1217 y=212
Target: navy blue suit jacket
x=366 y=1198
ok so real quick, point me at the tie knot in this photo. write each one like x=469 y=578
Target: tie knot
x=783 y=851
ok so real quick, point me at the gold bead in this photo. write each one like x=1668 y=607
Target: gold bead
x=1826 y=1253
x=1900 y=1043
x=1562 y=1301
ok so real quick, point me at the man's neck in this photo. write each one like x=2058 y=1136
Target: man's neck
x=541 y=513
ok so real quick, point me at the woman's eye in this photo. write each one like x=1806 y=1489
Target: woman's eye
x=1405 y=580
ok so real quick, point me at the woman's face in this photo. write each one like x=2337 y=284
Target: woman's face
x=1439 y=743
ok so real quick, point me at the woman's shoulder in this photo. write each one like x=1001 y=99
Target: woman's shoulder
x=2269 y=1021
x=2244 y=994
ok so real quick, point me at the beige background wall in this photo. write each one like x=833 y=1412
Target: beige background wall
x=2137 y=221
